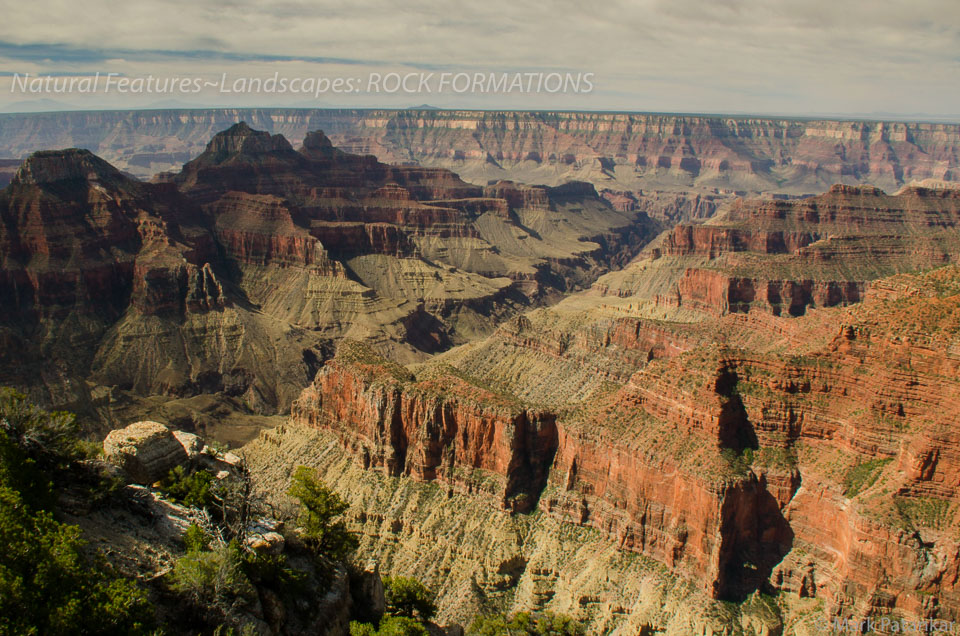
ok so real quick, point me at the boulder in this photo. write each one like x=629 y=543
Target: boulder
x=146 y=451
x=217 y=462
x=231 y=459
x=264 y=535
x=191 y=443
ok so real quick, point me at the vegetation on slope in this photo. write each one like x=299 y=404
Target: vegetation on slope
x=47 y=584
x=524 y=623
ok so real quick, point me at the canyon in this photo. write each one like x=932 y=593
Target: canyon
x=797 y=446
x=627 y=394
x=671 y=166
x=814 y=461
x=235 y=276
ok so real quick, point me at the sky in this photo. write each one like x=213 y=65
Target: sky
x=802 y=58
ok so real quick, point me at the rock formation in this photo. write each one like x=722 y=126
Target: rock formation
x=8 y=168
x=650 y=434
x=673 y=167
x=383 y=413
x=786 y=256
x=234 y=276
x=633 y=151
x=720 y=461
x=146 y=451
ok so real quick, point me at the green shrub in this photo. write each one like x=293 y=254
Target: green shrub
x=35 y=447
x=320 y=511
x=559 y=624
x=195 y=539
x=862 y=476
x=48 y=587
x=190 y=489
x=401 y=626
x=273 y=571
x=389 y=626
x=522 y=623
x=925 y=511
x=409 y=597
x=362 y=629
x=52 y=436
x=212 y=578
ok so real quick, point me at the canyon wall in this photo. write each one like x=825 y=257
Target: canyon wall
x=788 y=256
x=813 y=457
x=233 y=276
x=617 y=151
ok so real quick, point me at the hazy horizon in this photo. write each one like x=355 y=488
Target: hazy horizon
x=23 y=108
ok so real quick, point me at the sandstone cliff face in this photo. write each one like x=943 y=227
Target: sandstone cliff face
x=784 y=227
x=479 y=556
x=814 y=456
x=436 y=428
x=74 y=230
x=441 y=427
x=101 y=273
x=788 y=255
x=259 y=229
x=636 y=151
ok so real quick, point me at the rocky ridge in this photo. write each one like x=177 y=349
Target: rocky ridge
x=740 y=152
x=786 y=256
x=232 y=277
x=718 y=461
x=664 y=164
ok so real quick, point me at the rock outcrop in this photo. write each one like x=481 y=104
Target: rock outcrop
x=719 y=460
x=192 y=444
x=146 y=451
x=371 y=589
x=437 y=427
x=788 y=255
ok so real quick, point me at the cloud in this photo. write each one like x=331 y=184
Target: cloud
x=70 y=54
x=695 y=55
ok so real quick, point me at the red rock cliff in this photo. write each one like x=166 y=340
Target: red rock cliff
x=441 y=427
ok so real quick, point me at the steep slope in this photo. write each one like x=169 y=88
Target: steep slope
x=480 y=557
x=720 y=462
x=113 y=282
x=233 y=277
x=786 y=256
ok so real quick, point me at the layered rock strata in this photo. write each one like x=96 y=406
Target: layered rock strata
x=234 y=276
x=786 y=256
x=719 y=461
x=620 y=151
